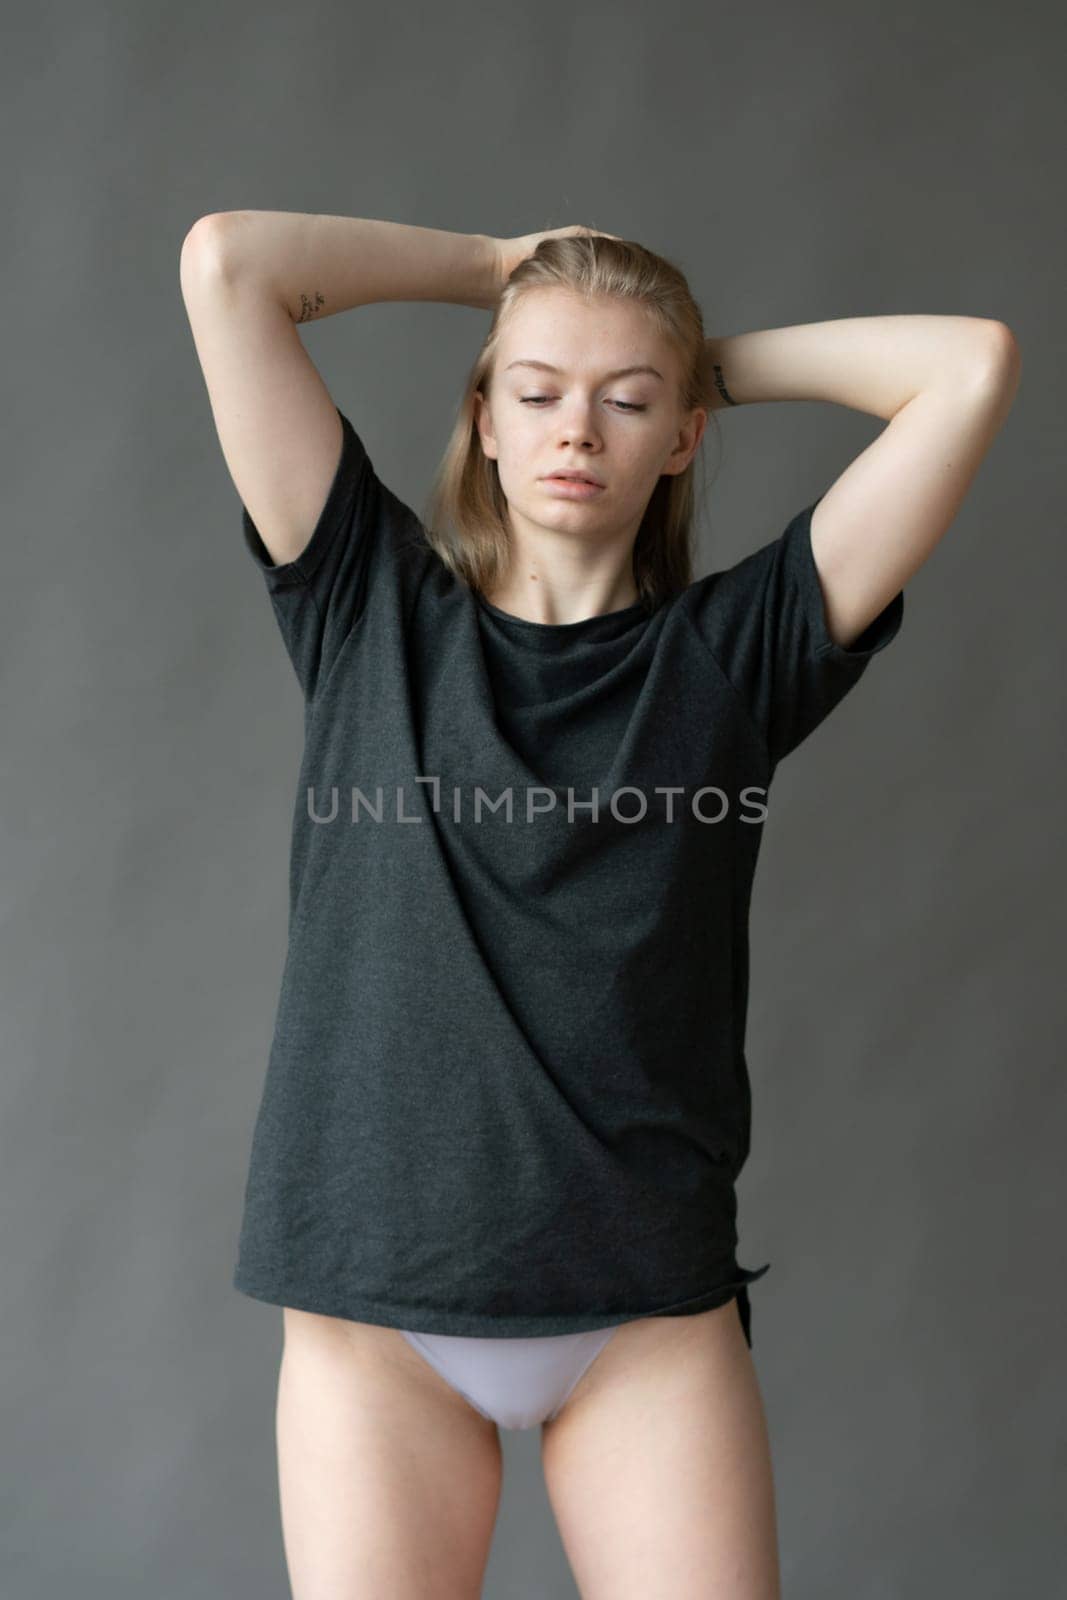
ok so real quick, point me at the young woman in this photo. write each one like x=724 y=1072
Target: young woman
x=492 y=1178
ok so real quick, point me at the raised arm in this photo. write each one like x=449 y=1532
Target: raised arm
x=248 y=278
x=944 y=384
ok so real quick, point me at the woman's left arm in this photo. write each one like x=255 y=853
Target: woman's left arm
x=944 y=385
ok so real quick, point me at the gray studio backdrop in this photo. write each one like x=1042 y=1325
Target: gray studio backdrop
x=906 y=1020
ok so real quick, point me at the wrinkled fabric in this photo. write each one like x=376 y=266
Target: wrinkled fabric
x=507 y=1093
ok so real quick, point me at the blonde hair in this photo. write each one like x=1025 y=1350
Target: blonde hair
x=466 y=511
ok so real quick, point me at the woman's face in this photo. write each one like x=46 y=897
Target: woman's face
x=626 y=430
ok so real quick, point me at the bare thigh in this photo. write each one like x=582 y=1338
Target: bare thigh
x=658 y=1468
x=389 y=1480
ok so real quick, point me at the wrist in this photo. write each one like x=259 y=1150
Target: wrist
x=489 y=272
x=716 y=388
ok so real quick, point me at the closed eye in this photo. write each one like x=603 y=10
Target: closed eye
x=539 y=399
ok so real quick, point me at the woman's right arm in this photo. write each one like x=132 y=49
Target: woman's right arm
x=319 y=265
x=248 y=278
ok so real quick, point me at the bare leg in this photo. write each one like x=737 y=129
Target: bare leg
x=658 y=1468
x=389 y=1481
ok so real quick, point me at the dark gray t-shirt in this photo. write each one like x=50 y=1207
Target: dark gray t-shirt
x=507 y=1093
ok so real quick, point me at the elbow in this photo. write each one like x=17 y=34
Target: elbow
x=208 y=244
x=202 y=236
x=991 y=378
x=1001 y=356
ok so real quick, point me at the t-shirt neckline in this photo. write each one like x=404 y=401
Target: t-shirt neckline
x=547 y=628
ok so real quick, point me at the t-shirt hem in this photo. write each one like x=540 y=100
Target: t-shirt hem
x=328 y=1300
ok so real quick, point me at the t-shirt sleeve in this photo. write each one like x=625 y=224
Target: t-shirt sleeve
x=764 y=622
x=354 y=555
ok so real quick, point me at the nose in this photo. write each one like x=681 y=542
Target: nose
x=576 y=427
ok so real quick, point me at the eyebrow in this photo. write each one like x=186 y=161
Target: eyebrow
x=620 y=372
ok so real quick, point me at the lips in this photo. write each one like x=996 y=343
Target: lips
x=577 y=477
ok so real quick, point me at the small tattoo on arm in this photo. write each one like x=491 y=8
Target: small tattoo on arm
x=308 y=308
x=720 y=384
